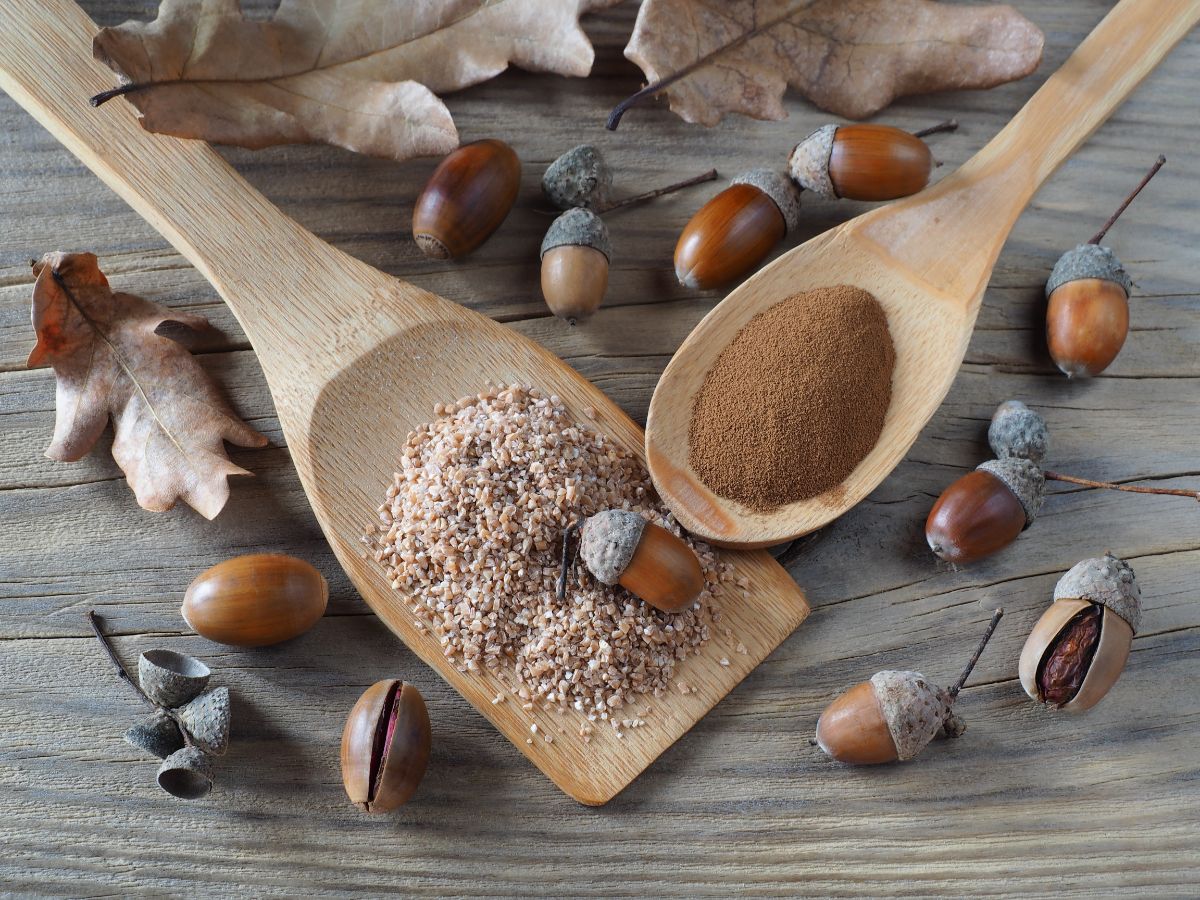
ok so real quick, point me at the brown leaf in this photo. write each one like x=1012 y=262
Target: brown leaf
x=168 y=418
x=359 y=75
x=850 y=57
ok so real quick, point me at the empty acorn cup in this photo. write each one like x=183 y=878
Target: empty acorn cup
x=171 y=679
x=186 y=774
x=207 y=720
x=158 y=735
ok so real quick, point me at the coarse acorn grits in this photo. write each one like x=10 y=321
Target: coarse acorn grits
x=255 y=600
x=984 y=511
x=1078 y=648
x=575 y=255
x=735 y=230
x=385 y=746
x=894 y=715
x=1087 y=309
x=618 y=546
x=862 y=162
x=466 y=198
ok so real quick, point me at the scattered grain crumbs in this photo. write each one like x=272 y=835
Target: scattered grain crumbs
x=724 y=660
x=741 y=648
x=499 y=698
x=471 y=532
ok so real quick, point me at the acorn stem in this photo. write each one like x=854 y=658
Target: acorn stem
x=710 y=175
x=94 y=621
x=568 y=558
x=1099 y=235
x=987 y=636
x=1110 y=486
x=948 y=125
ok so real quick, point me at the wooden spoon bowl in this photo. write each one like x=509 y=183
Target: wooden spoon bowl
x=927 y=259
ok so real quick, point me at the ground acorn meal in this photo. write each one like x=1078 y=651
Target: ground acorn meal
x=472 y=532
x=796 y=400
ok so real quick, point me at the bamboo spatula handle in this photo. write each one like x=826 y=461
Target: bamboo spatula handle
x=252 y=253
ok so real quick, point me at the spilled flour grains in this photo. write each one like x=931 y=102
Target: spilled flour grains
x=471 y=533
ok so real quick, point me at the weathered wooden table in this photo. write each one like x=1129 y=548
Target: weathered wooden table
x=1026 y=803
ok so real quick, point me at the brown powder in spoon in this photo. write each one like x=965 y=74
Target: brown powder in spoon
x=796 y=400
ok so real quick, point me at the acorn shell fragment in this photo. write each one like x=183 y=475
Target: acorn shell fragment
x=171 y=679
x=1018 y=431
x=207 y=719
x=579 y=178
x=158 y=735
x=1107 y=662
x=186 y=774
x=1088 y=261
x=1024 y=478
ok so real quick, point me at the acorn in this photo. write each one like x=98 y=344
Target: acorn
x=1017 y=431
x=984 y=511
x=255 y=600
x=1087 y=311
x=207 y=720
x=186 y=774
x=893 y=716
x=618 y=546
x=575 y=255
x=1079 y=646
x=736 y=230
x=863 y=162
x=466 y=198
x=158 y=735
x=170 y=678
x=385 y=746
x=581 y=177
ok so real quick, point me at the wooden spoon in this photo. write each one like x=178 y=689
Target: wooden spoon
x=927 y=259
x=355 y=359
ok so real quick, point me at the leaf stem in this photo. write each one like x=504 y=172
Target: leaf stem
x=948 y=125
x=987 y=636
x=120 y=90
x=710 y=175
x=1099 y=235
x=1110 y=486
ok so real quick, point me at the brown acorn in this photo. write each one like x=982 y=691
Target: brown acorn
x=1078 y=648
x=894 y=715
x=385 y=746
x=466 y=198
x=1087 y=311
x=618 y=546
x=575 y=255
x=984 y=511
x=862 y=162
x=735 y=230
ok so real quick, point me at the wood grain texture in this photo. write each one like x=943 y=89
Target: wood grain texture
x=1025 y=804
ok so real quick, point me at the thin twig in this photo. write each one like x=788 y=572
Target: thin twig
x=1099 y=235
x=94 y=621
x=710 y=175
x=987 y=636
x=1131 y=488
x=567 y=559
x=104 y=96
x=948 y=125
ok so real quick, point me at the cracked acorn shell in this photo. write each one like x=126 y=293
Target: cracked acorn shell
x=1105 y=583
x=385 y=746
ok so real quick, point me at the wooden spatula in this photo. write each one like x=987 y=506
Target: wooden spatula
x=927 y=259
x=355 y=359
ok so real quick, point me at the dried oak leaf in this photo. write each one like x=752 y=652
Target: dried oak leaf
x=850 y=57
x=361 y=75
x=168 y=418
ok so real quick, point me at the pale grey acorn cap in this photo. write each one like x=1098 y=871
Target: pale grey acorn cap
x=207 y=720
x=186 y=774
x=608 y=542
x=1088 y=261
x=1024 y=478
x=1106 y=580
x=808 y=163
x=171 y=679
x=158 y=735
x=914 y=710
x=579 y=227
x=780 y=189
x=1016 y=430
x=580 y=177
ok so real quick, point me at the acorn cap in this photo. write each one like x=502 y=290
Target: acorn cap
x=207 y=720
x=1106 y=580
x=1017 y=431
x=1024 y=478
x=579 y=227
x=915 y=710
x=780 y=189
x=808 y=163
x=171 y=679
x=158 y=735
x=608 y=542
x=186 y=774
x=1088 y=261
x=580 y=177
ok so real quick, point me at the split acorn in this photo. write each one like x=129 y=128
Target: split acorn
x=385 y=746
x=467 y=197
x=618 y=546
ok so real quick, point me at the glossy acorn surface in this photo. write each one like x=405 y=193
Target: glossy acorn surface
x=1087 y=321
x=385 y=746
x=878 y=162
x=974 y=517
x=853 y=730
x=255 y=600
x=467 y=197
x=574 y=280
x=664 y=571
x=727 y=237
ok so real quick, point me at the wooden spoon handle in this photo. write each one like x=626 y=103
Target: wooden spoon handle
x=252 y=253
x=972 y=210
